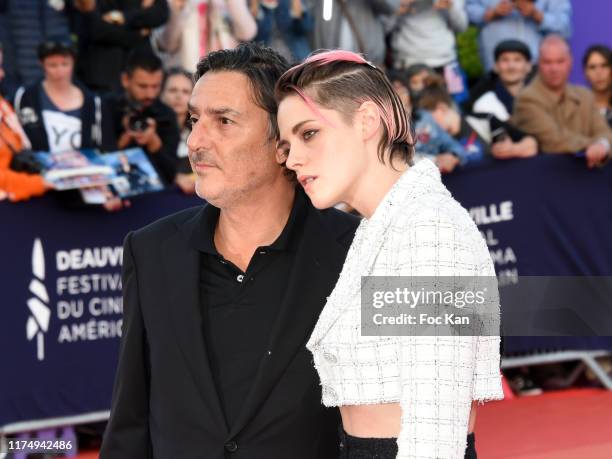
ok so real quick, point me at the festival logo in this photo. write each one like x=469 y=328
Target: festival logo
x=40 y=313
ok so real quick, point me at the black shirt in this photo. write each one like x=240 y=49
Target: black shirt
x=240 y=308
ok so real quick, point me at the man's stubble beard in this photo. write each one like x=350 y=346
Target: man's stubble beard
x=230 y=197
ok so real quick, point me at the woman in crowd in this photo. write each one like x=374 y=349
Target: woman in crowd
x=597 y=65
x=15 y=186
x=344 y=132
x=57 y=113
x=175 y=93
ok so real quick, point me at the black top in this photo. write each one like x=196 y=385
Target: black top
x=164 y=160
x=97 y=130
x=165 y=401
x=239 y=308
x=104 y=47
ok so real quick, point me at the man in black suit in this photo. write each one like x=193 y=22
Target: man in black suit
x=220 y=300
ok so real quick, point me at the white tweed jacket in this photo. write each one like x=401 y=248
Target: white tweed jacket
x=417 y=230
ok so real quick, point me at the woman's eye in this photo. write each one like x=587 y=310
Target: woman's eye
x=308 y=134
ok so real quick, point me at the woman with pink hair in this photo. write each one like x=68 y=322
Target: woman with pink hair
x=344 y=132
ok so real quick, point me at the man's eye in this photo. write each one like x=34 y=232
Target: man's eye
x=226 y=121
x=191 y=121
x=307 y=135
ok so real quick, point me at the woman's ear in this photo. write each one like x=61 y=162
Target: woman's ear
x=369 y=118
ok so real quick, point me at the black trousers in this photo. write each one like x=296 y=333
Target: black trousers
x=383 y=448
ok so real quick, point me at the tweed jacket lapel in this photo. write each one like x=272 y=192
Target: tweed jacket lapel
x=369 y=238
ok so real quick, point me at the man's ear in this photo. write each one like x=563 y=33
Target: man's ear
x=370 y=119
x=125 y=80
x=281 y=153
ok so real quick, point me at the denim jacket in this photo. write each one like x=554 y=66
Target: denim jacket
x=432 y=140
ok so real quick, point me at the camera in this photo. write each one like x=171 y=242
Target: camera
x=137 y=121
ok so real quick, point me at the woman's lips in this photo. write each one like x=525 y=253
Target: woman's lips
x=306 y=180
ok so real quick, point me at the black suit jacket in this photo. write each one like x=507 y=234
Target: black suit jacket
x=165 y=403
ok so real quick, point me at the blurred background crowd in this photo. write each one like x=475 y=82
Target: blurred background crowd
x=484 y=81
x=480 y=77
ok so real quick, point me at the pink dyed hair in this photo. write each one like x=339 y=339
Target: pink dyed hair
x=390 y=108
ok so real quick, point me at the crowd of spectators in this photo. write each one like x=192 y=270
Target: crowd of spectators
x=114 y=74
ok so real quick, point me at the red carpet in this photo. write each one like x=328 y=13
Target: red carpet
x=572 y=424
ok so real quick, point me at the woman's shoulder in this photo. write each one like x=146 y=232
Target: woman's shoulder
x=436 y=204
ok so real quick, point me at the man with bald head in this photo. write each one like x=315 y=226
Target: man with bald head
x=564 y=118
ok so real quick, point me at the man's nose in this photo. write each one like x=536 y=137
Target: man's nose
x=198 y=137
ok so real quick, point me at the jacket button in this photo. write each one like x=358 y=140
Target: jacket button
x=329 y=393
x=331 y=358
x=231 y=446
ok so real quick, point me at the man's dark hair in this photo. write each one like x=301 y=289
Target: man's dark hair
x=261 y=65
x=144 y=60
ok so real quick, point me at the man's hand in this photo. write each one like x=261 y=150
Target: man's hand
x=501 y=10
x=254 y=7
x=177 y=6
x=113 y=202
x=297 y=9
x=404 y=7
x=85 y=6
x=447 y=162
x=443 y=4
x=503 y=149
x=596 y=155
x=148 y=138
x=114 y=17
x=528 y=9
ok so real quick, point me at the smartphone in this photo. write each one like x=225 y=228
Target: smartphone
x=417 y=6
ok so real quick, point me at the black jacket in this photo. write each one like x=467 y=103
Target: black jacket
x=97 y=129
x=165 y=404
x=104 y=47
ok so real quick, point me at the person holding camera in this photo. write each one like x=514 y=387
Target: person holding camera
x=142 y=119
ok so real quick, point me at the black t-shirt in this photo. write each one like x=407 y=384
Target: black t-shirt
x=240 y=308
